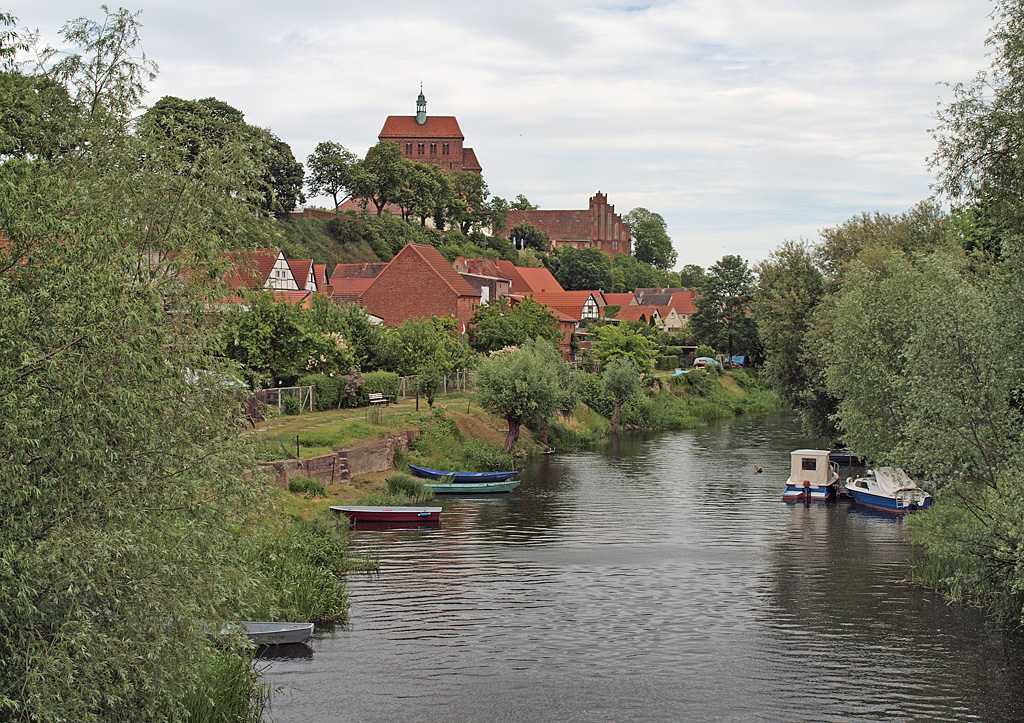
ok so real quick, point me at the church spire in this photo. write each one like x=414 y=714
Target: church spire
x=421 y=107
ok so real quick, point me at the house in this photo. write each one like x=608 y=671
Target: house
x=490 y=287
x=522 y=280
x=303 y=273
x=567 y=325
x=419 y=282
x=578 y=305
x=436 y=140
x=596 y=227
x=682 y=300
x=645 y=314
x=261 y=269
x=364 y=270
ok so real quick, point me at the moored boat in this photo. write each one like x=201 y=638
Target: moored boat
x=812 y=476
x=471 y=488
x=427 y=473
x=889 y=489
x=277 y=633
x=378 y=515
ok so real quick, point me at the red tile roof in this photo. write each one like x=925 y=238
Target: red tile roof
x=251 y=269
x=558 y=225
x=350 y=285
x=300 y=270
x=469 y=161
x=440 y=266
x=633 y=313
x=620 y=299
x=294 y=298
x=320 y=272
x=682 y=302
x=364 y=270
x=569 y=302
x=436 y=126
x=538 y=280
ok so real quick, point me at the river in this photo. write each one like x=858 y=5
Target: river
x=660 y=578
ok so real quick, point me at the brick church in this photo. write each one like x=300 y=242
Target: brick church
x=437 y=140
x=596 y=227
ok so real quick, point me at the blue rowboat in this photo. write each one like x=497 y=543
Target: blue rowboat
x=427 y=473
x=471 y=488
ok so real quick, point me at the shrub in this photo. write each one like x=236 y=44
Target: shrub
x=307 y=485
x=350 y=392
x=291 y=405
x=325 y=390
x=385 y=383
x=484 y=457
x=406 y=485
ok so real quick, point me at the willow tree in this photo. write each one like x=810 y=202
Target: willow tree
x=522 y=385
x=123 y=508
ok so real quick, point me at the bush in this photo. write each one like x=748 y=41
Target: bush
x=291 y=405
x=406 y=485
x=307 y=485
x=668 y=362
x=325 y=390
x=385 y=383
x=484 y=457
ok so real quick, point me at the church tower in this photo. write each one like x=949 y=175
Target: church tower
x=421 y=108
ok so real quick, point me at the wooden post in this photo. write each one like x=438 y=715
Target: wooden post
x=297 y=454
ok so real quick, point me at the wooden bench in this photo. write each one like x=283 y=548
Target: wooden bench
x=378 y=398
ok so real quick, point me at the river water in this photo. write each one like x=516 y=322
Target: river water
x=657 y=579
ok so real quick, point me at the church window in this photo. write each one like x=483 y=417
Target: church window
x=421 y=148
x=433 y=149
x=615 y=245
x=408 y=149
x=445 y=149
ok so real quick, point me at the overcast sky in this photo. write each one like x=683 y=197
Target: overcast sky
x=744 y=123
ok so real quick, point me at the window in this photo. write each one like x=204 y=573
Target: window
x=408 y=149
x=444 y=149
x=615 y=245
x=421 y=148
x=808 y=463
x=433 y=149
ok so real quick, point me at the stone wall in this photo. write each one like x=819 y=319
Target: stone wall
x=343 y=464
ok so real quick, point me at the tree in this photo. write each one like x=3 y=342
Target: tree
x=468 y=207
x=630 y=274
x=522 y=203
x=979 y=133
x=123 y=533
x=651 y=242
x=691 y=276
x=621 y=380
x=723 y=317
x=498 y=324
x=527 y=236
x=422 y=345
x=282 y=174
x=207 y=133
x=619 y=340
x=789 y=289
x=382 y=176
x=581 y=269
x=330 y=171
x=520 y=386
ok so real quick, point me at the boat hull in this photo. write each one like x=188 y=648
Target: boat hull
x=823 y=493
x=888 y=504
x=427 y=473
x=277 y=633
x=379 y=515
x=471 y=488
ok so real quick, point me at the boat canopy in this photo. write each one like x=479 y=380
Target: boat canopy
x=811 y=466
x=892 y=479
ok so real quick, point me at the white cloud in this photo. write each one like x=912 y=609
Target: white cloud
x=742 y=123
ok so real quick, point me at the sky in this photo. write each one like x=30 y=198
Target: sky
x=743 y=123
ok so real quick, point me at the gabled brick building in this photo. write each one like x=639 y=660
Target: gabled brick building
x=419 y=282
x=437 y=140
x=597 y=227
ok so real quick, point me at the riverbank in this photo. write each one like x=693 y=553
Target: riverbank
x=458 y=434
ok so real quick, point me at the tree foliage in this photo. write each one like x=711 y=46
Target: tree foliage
x=527 y=236
x=582 y=269
x=651 y=242
x=622 y=340
x=522 y=386
x=723 y=318
x=121 y=534
x=498 y=324
x=621 y=380
x=330 y=171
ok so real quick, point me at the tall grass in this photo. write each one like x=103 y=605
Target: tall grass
x=229 y=690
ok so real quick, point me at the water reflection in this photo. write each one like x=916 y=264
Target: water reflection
x=662 y=579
